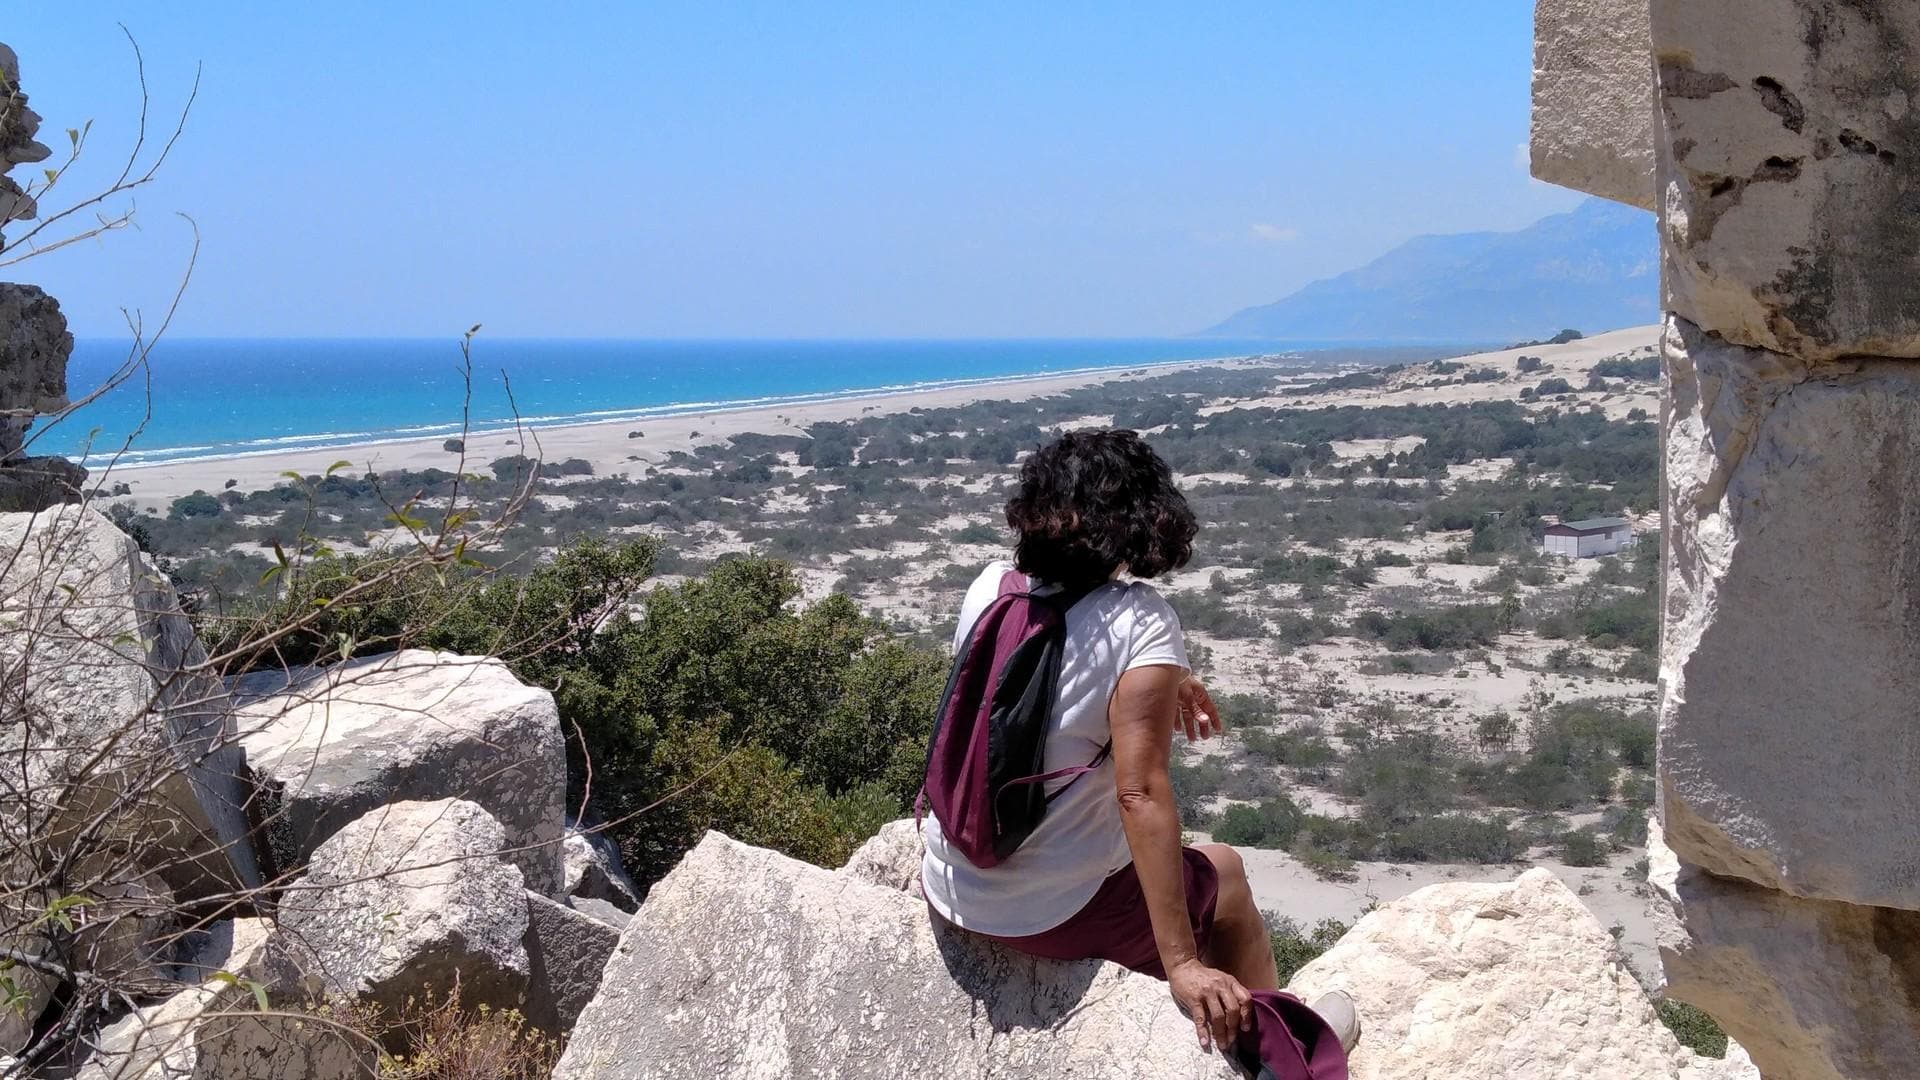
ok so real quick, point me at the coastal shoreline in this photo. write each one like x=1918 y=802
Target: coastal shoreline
x=610 y=445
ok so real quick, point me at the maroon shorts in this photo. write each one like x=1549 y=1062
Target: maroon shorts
x=1114 y=925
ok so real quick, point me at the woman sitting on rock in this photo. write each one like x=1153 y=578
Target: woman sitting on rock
x=1104 y=873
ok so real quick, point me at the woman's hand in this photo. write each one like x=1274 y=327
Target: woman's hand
x=1218 y=1005
x=1198 y=715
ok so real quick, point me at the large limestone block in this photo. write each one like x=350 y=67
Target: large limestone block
x=334 y=743
x=216 y=1029
x=1814 y=989
x=1497 y=981
x=1593 y=98
x=123 y=743
x=1789 y=745
x=1788 y=172
x=567 y=950
x=745 y=963
x=406 y=899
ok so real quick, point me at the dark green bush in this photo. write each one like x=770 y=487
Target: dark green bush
x=1272 y=823
x=718 y=704
x=1460 y=838
x=1582 y=848
x=1295 y=946
x=1696 y=1030
x=197 y=505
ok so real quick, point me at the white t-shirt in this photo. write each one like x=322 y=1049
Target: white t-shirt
x=1080 y=841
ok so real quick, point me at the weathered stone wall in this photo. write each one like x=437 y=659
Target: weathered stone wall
x=1786 y=145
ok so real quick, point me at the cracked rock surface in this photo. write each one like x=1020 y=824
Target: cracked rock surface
x=744 y=962
x=1788 y=172
x=1791 y=657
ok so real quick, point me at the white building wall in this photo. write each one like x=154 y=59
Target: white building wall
x=1590 y=546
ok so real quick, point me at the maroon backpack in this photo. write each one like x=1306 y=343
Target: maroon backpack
x=984 y=761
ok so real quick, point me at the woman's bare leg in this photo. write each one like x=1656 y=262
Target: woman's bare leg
x=1240 y=945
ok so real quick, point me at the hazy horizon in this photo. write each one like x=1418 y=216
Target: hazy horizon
x=763 y=173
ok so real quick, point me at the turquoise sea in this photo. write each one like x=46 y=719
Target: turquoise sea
x=226 y=397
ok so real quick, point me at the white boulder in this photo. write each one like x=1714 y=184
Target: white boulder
x=406 y=899
x=333 y=743
x=112 y=719
x=1498 y=981
x=746 y=963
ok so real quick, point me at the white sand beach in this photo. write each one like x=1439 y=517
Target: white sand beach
x=612 y=447
x=628 y=446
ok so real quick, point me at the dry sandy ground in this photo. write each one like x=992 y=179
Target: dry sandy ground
x=607 y=445
x=1571 y=362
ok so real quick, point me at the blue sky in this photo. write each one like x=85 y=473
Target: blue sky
x=777 y=170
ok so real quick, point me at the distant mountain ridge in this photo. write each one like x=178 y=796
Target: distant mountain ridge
x=1593 y=268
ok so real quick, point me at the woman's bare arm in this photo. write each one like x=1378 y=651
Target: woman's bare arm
x=1142 y=714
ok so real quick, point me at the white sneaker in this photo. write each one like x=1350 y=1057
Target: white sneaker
x=1336 y=1008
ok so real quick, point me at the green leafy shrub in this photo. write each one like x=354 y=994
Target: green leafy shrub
x=1294 y=946
x=1582 y=848
x=1696 y=1030
x=197 y=505
x=1272 y=823
x=713 y=704
x=1459 y=838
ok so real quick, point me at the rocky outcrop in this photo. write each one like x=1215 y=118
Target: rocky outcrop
x=1593 y=98
x=567 y=950
x=124 y=741
x=1828 y=1016
x=18 y=126
x=331 y=744
x=1787 y=149
x=1508 y=980
x=220 y=1029
x=407 y=899
x=744 y=962
x=593 y=870
x=34 y=342
x=34 y=346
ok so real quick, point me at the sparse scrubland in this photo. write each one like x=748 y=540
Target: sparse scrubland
x=748 y=634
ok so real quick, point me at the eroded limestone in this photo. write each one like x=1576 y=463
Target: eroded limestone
x=1788 y=172
x=1791 y=656
x=1813 y=989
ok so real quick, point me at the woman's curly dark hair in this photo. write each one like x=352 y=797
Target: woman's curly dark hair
x=1094 y=501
